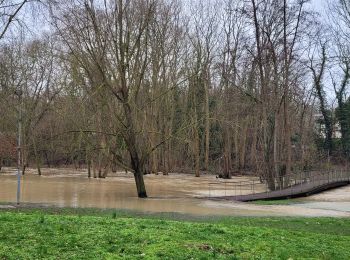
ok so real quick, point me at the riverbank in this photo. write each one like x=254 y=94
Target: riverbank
x=93 y=233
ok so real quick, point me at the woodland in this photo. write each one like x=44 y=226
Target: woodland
x=221 y=87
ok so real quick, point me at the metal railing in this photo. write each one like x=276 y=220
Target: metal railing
x=295 y=183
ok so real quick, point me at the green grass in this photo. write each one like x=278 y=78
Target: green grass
x=277 y=202
x=107 y=234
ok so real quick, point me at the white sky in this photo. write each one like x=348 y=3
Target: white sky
x=319 y=5
x=38 y=25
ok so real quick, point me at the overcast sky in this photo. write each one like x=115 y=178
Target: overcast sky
x=319 y=5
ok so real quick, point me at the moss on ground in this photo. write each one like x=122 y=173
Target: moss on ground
x=107 y=234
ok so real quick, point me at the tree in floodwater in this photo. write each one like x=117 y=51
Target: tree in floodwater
x=111 y=44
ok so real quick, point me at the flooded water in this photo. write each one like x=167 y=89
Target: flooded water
x=174 y=193
x=337 y=200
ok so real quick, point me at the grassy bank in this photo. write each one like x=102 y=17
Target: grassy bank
x=85 y=234
x=277 y=202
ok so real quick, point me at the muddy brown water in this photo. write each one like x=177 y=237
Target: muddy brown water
x=337 y=200
x=178 y=193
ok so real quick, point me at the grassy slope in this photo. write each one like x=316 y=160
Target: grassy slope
x=63 y=234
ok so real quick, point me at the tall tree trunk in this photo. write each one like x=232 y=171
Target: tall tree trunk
x=227 y=154
x=236 y=142
x=136 y=163
x=207 y=127
x=287 y=131
x=253 y=158
x=37 y=157
x=24 y=158
x=196 y=150
x=93 y=166
x=287 y=138
x=89 y=167
x=243 y=145
x=275 y=145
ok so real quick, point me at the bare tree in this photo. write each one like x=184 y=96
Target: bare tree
x=112 y=45
x=339 y=15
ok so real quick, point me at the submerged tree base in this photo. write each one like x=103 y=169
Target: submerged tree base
x=142 y=195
